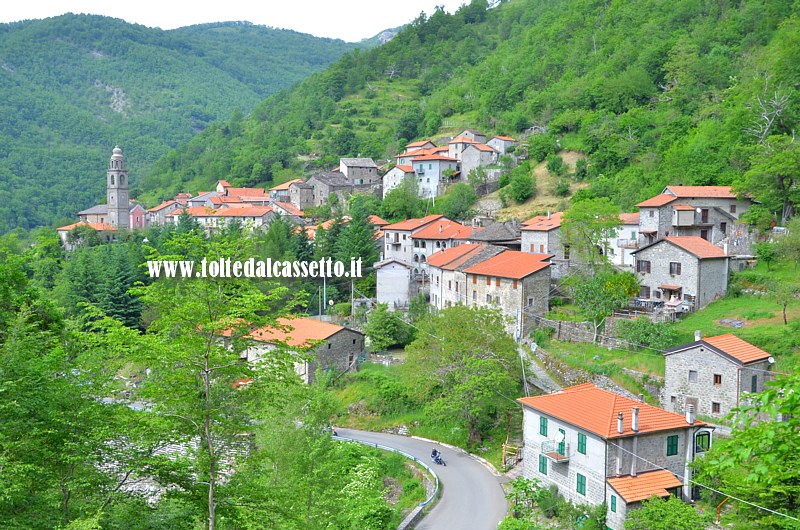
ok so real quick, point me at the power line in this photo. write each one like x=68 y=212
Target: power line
x=686 y=479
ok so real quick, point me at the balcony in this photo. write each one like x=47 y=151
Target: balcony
x=627 y=243
x=557 y=452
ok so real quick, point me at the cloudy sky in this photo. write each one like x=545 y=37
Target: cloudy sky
x=350 y=20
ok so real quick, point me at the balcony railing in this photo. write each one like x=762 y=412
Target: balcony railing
x=557 y=452
x=627 y=243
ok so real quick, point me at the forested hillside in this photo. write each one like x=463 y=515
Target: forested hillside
x=73 y=86
x=654 y=92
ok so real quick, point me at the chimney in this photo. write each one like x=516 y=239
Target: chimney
x=697 y=335
x=690 y=414
x=440 y=228
x=620 y=428
x=725 y=248
x=641 y=397
x=474 y=230
x=548 y=214
x=635 y=419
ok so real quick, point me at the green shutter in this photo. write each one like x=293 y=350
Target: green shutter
x=581 y=443
x=543 y=464
x=672 y=445
x=581 y=484
x=542 y=425
x=614 y=503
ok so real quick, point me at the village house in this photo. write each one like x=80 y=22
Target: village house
x=439 y=235
x=137 y=215
x=434 y=173
x=394 y=286
x=280 y=193
x=683 y=272
x=158 y=214
x=517 y=283
x=457 y=145
x=448 y=282
x=405 y=159
x=599 y=447
x=420 y=144
x=542 y=235
x=713 y=374
x=501 y=144
x=202 y=198
x=316 y=344
x=252 y=217
x=395 y=176
x=506 y=235
x=289 y=211
x=624 y=241
x=106 y=232
x=476 y=155
x=473 y=135
x=301 y=195
x=397 y=238
x=359 y=171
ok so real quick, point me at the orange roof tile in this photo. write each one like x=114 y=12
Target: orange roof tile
x=697 y=246
x=657 y=201
x=285 y=185
x=452 y=257
x=434 y=157
x=290 y=208
x=183 y=196
x=303 y=332
x=161 y=206
x=591 y=408
x=645 y=485
x=418 y=143
x=462 y=140
x=506 y=138
x=482 y=147
x=511 y=264
x=247 y=211
x=737 y=348
x=250 y=192
x=377 y=221
x=443 y=229
x=683 y=207
x=412 y=224
x=543 y=223
x=97 y=226
x=225 y=183
x=629 y=218
x=407 y=169
x=687 y=192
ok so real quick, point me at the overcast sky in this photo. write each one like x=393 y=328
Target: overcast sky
x=350 y=20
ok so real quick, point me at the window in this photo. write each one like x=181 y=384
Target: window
x=754 y=384
x=543 y=464
x=581 y=443
x=652 y=212
x=456 y=286
x=672 y=445
x=541 y=249
x=723 y=227
x=675 y=267
x=329 y=345
x=644 y=292
x=692 y=376
x=449 y=285
x=497 y=282
x=658 y=293
x=717 y=379
x=642 y=265
x=530 y=301
x=715 y=407
x=581 y=486
x=673 y=400
x=404 y=237
x=702 y=442
x=474 y=296
x=533 y=247
x=488 y=280
x=733 y=208
x=614 y=503
x=566 y=251
x=515 y=284
x=542 y=425
x=488 y=299
x=562 y=435
x=497 y=300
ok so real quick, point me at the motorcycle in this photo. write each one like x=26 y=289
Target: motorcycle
x=436 y=456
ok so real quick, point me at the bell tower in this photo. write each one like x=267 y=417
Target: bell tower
x=117 y=191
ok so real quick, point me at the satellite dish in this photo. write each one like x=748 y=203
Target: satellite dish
x=698 y=210
x=330 y=302
x=771 y=360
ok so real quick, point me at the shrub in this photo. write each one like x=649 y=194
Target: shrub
x=556 y=165
x=562 y=188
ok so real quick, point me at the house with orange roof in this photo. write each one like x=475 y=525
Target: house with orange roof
x=600 y=447
x=280 y=193
x=420 y=144
x=106 y=232
x=157 y=215
x=517 y=283
x=210 y=219
x=624 y=240
x=542 y=235
x=393 y=283
x=395 y=176
x=434 y=172
x=501 y=144
x=398 y=243
x=288 y=210
x=477 y=155
x=439 y=235
x=448 y=282
x=317 y=345
x=684 y=273
x=714 y=374
x=457 y=145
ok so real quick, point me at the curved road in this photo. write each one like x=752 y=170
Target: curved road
x=470 y=495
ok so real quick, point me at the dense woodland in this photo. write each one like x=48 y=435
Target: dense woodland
x=73 y=86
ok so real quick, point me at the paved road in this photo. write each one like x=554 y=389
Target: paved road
x=471 y=496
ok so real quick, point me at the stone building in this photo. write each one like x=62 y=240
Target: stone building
x=501 y=144
x=682 y=271
x=542 y=235
x=448 y=283
x=398 y=243
x=713 y=374
x=439 y=235
x=475 y=156
x=157 y=215
x=281 y=193
x=599 y=447
x=301 y=194
x=517 y=283
x=316 y=344
x=359 y=171
x=395 y=176
x=432 y=174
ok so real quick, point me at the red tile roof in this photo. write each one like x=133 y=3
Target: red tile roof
x=247 y=211
x=687 y=192
x=407 y=169
x=684 y=207
x=506 y=138
x=462 y=140
x=290 y=208
x=161 y=206
x=697 y=246
x=418 y=143
x=97 y=226
x=434 y=157
x=482 y=147
x=657 y=201
x=303 y=332
x=413 y=224
x=443 y=229
x=511 y=264
x=645 y=485
x=249 y=192
x=593 y=409
x=629 y=218
x=452 y=257
x=183 y=196
x=737 y=348
x=541 y=223
x=225 y=183
x=377 y=221
x=285 y=185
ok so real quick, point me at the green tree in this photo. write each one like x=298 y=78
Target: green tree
x=766 y=252
x=540 y=146
x=785 y=294
x=789 y=243
x=523 y=185
x=587 y=227
x=761 y=462
x=665 y=514
x=458 y=202
x=600 y=295
x=402 y=202
x=385 y=329
x=464 y=362
x=774 y=176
